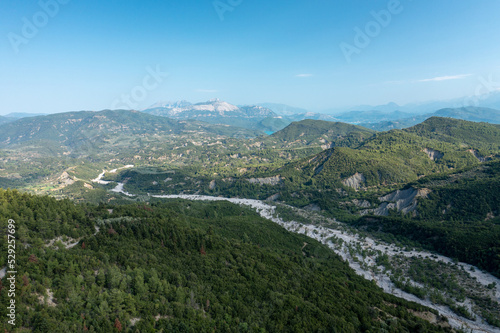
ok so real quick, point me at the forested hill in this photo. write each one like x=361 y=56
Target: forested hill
x=319 y=131
x=73 y=129
x=183 y=267
x=398 y=156
x=482 y=136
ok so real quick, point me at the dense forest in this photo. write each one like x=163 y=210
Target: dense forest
x=181 y=266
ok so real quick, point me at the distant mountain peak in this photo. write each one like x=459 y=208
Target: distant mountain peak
x=169 y=104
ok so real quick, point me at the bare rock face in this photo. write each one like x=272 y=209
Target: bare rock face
x=276 y=180
x=212 y=185
x=361 y=203
x=274 y=197
x=356 y=181
x=478 y=156
x=433 y=154
x=65 y=179
x=313 y=207
x=404 y=201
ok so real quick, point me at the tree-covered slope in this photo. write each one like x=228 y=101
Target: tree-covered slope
x=74 y=129
x=184 y=266
x=470 y=113
x=4 y=120
x=307 y=132
x=482 y=136
x=386 y=158
x=459 y=216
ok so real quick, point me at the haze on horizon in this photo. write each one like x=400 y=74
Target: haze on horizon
x=63 y=55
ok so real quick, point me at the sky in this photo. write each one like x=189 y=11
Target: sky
x=70 y=55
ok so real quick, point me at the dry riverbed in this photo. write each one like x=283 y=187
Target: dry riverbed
x=389 y=266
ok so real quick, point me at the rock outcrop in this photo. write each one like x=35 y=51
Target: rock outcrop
x=404 y=201
x=356 y=181
x=478 y=156
x=276 y=180
x=434 y=155
x=361 y=203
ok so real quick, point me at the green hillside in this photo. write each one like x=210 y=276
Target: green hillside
x=272 y=124
x=471 y=194
x=387 y=158
x=75 y=129
x=320 y=132
x=460 y=216
x=470 y=113
x=383 y=161
x=399 y=156
x=482 y=136
x=4 y=120
x=184 y=266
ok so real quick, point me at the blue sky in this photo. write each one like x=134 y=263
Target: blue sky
x=93 y=55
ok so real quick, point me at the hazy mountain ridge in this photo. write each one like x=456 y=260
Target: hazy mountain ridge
x=271 y=117
x=4 y=120
x=257 y=117
x=475 y=114
x=371 y=116
x=67 y=128
x=216 y=111
x=283 y=109
x=487 y=100
x=212 y=108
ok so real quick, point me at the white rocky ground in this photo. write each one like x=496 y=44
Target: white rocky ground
x=99 y=178
x=363 y=265
x=68 y=243
x=353 y=249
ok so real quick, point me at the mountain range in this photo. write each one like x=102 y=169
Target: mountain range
x=477 y=114
x=271 y=117
x=432 y=185
x=487 y=100
x=66 y=128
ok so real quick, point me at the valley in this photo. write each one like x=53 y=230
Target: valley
x=250 y=167
x=416 y=211
x=471 y=295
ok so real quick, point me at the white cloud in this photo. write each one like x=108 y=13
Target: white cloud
x=445 y=78
x=303 y=75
